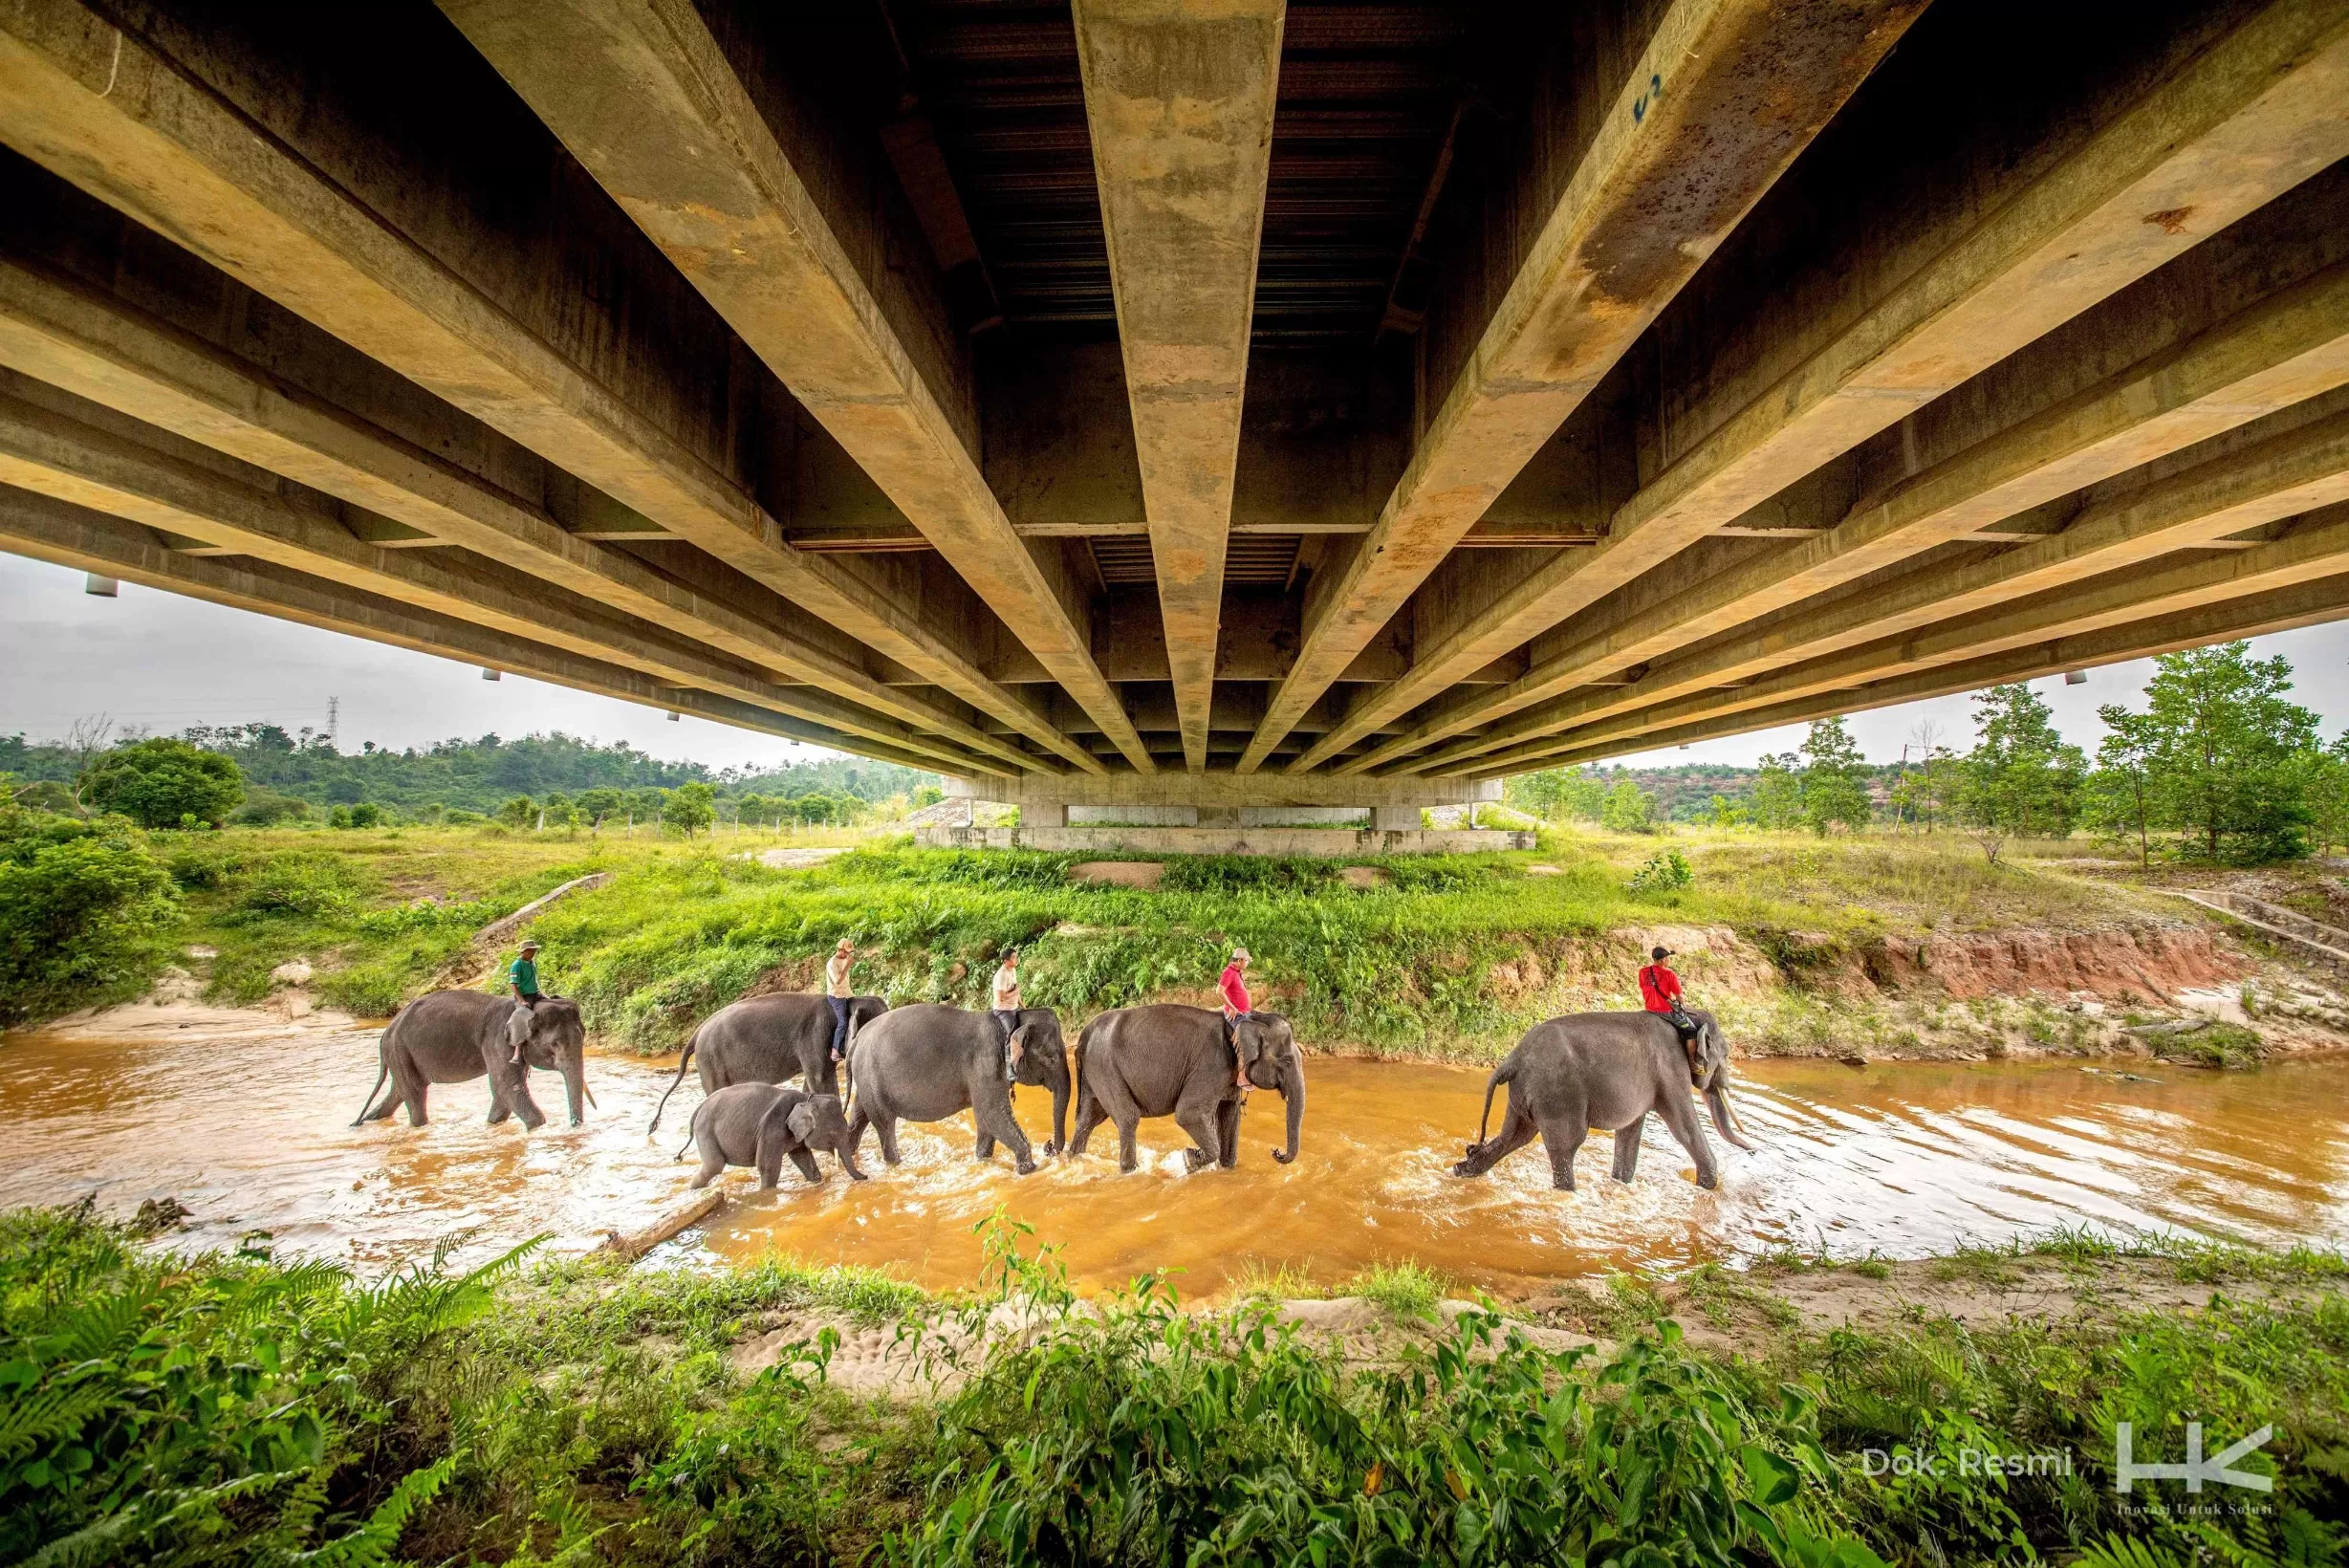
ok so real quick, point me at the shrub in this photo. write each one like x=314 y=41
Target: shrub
x=86 y=912
x=157 y=783
x=1666 y=872
x=267 y=808
x=313 y=886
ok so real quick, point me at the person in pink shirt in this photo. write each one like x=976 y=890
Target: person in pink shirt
x=1235 y=987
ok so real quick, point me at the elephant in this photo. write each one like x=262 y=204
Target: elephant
x=768 y=1039
x=1607 y=1070
x=759 y=1124
x=448 y=1036
x=1168 y=1060
x=925 y=1062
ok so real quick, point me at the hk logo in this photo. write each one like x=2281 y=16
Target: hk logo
x=2196 y=1469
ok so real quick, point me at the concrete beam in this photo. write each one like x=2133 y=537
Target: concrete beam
x=1718 y=104
x=2318 y=548
x=2306 y=605
x=1179 y=99
x=2282 y=350
x=1214 y=791
x=645 y=97
x=47 y=453
x=2245 y=121
x=43 y=529
x=107 y=111
x=2287 y=476
x=98 y=348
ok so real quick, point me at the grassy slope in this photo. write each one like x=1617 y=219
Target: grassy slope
x=587 y=1414
x=685 y=928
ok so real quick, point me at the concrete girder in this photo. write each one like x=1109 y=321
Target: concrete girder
x=2318 y=549
x=1179 y=99
x=95 y=347
x=2283 y=351
x=1720 y=101
x=645 y=97
x=2250 y=117
x=2324 y=599
x=102 y=109
x=2287 y=476
x=47 y=453
x=63 y=535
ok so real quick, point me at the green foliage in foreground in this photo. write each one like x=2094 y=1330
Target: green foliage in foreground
x=85 y=913
x=234 y=1410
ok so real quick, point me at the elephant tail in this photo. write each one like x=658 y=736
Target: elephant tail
x=382 y=1072
x=1501 y=1074
x=684 y=1061
x=691 y=1122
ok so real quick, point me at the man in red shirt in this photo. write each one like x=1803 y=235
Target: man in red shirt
x=1659 y=989
x=1234 y=988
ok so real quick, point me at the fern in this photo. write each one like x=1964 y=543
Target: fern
x=2128 y=1552
x=372 y=1543
x=49 y=1415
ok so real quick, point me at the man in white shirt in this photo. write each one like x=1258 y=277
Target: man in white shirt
x=838 y=995
x=1006 y=1006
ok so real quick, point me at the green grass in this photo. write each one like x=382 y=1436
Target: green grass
x=243 y=1409
x=1405 y=1288
x=1285 y=1281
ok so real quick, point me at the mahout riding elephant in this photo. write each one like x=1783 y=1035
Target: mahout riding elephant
x=759 y=1124
x=1167 y=1059
x=768 y=1039
x=1607 y=1070
x=448 y=1036
x=926 y=1062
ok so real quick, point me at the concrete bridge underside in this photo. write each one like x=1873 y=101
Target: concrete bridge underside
x=1165 y=406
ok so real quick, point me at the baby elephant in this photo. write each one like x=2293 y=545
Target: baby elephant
x=1607 y=1070
x=759 y=1124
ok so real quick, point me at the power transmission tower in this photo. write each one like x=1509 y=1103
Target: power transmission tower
x=334 y=723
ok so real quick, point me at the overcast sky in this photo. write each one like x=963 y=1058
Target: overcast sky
x=161 y=663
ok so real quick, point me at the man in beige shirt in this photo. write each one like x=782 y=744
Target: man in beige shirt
x=1006 y=1006
x=838 y=995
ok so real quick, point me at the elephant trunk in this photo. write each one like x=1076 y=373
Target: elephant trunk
x=1060 y=1117
x=1292 y=1094
x=1717 y=1101
x=575 y=1081
x=846 y=1150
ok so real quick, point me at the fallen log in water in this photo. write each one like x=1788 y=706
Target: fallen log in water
x=636 y=1245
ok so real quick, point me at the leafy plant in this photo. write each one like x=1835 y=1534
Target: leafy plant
x=1665 y=872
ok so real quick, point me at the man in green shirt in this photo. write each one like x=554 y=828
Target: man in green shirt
x=525 y=977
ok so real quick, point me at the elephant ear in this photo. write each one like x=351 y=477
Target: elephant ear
x=518 y=1027
x=802 y=1120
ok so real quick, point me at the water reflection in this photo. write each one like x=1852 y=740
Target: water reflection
x=1900 y=1159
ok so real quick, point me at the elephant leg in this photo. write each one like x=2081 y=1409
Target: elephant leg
x=985 y=1147
x=1679 y=1113
x=858 y=1121
x=499 y=1109
x=887 y=1127
x=1129 y=1154
x=1563 y=1136
x=1518 y=1129
x=1089 y=1115
x=712 y=1166
x=1199 y=1121
x=806 y=1163
x=1627 y=1149
x=993 y=1111
x=413 y=1091
x=1228 y=1129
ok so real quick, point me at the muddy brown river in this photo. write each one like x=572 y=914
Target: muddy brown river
x=1903 y=1159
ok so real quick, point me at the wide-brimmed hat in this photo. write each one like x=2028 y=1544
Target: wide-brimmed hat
x=1242 y=953
x=530 y=946
x=1660 y=954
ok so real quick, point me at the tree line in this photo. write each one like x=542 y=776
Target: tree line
x=2217 y=764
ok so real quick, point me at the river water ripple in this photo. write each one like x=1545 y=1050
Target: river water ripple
x=1903 y=1159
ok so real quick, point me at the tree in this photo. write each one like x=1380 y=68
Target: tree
x=1725 y=813
x=1628 y=809
x=2021 y=778
x=162 y=782
x=689 y=808
x=86 y=913
x=519 y=812
x=1778 y=798
x=2230 y=756
x=2328 y=796
x=928 y=795
x=2119 y=802
x=1831 y=788
x=557 y=810
x=599 y=803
